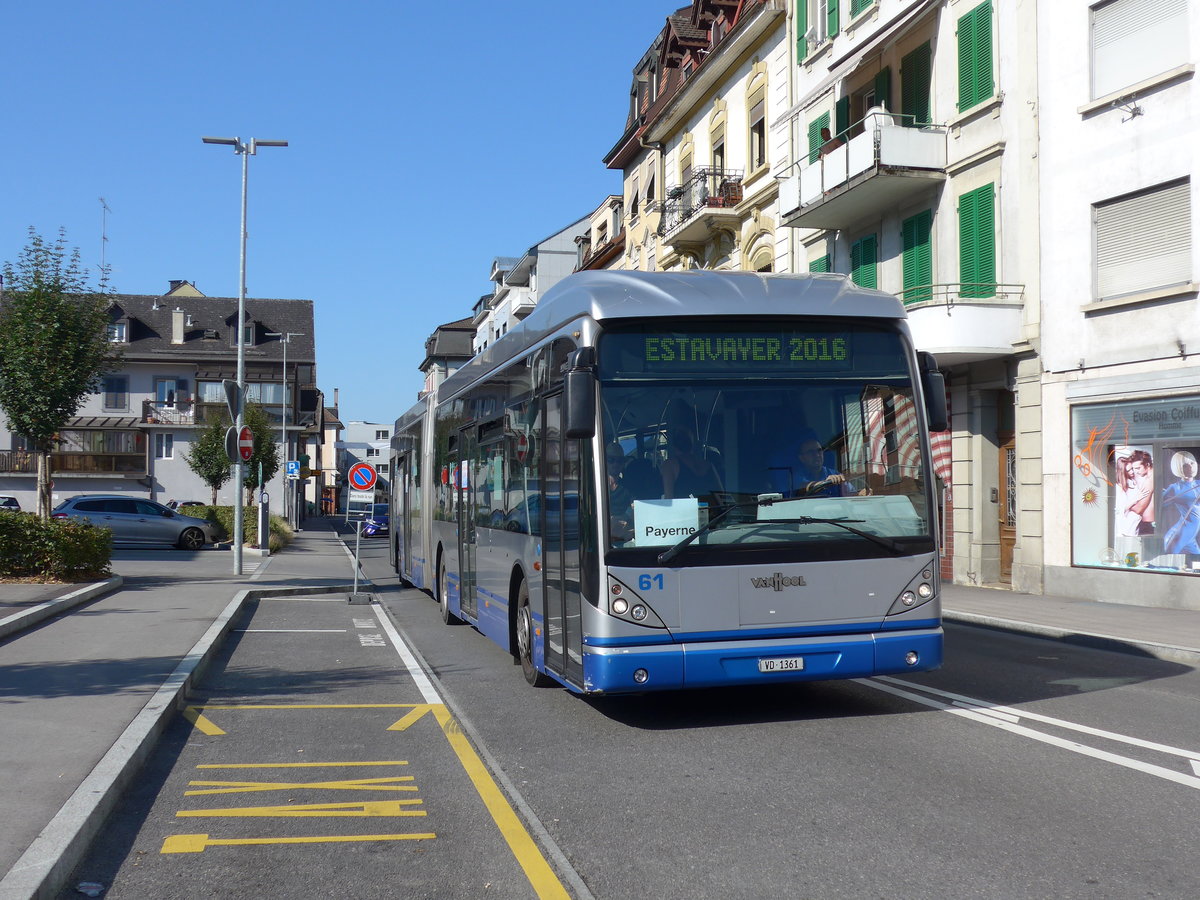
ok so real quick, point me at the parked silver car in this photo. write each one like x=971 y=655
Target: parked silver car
x=137 y=521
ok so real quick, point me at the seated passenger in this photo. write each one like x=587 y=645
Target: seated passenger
x=685 y=473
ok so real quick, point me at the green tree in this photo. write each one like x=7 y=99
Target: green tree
x=208 y=457
x=266 y=451
x=54 y=345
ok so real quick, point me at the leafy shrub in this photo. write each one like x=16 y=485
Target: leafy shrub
x=54 y=550
x=222 y=516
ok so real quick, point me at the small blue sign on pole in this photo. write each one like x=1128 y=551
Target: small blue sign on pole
x=293 y=468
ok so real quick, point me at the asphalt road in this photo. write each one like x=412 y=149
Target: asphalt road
x=1023 y=768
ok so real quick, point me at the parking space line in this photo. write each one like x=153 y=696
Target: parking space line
x=197 y=843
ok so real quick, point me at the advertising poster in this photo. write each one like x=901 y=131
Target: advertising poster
x=1133 y=512
x=1180 y=515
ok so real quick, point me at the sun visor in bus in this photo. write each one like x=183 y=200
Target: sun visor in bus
x=580 y=394
x=933 y=385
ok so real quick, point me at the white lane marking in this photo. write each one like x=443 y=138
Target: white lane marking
x=262 y=568
x=1186 y=780
x=410 y=662
x=291 y=630
x=1196 y=766
x=1001 y=711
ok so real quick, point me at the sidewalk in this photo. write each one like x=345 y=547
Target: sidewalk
x=1170 y=634
x=84 y=696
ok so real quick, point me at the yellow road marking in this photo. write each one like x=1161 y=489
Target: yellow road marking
x=530 y=858
x=537 y=870
x=377 y=808
x=198 y=843
x=356 y=784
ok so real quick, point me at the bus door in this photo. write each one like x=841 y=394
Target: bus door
x=468 y=443
x=404 y=562
x=560 y=547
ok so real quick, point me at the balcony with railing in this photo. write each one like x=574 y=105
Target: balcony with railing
x=963 y=323
x=181 y=412
x=24 y=462
x=877 y=169
x=701 y=205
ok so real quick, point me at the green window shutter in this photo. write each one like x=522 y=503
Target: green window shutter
x=862 y=262
x=857 y=6
x=883 y=87
x=977 y=242
x=814 y=136
x=975 y=83
x=821 y=264
x=801 y=29
x=916 y=75
x=916 y=233
x=841 y=118
x=833 y=17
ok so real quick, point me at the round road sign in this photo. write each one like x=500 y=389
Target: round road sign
x=361 y=476
x=522 y=447
x=245 y=443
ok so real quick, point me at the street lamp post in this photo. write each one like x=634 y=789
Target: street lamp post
x=285 y=338
x=245 y=150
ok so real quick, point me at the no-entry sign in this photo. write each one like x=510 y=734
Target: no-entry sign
x=361 y=476
x=245 y=443
x=239 y=445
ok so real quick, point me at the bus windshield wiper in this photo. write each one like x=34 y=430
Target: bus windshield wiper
x=671 y=552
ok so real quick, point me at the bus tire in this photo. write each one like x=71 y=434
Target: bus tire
x=443 y=585
x=525 y=639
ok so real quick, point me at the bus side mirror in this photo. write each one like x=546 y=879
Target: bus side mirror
x=933 y=386
x=580 y=394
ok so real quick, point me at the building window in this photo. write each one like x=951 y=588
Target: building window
x=822 y=264
x=758 y=134
x=975 y=83
x=372 y=452
x=857 y=6
x=381 y=434
x=977 y=242
x=1144 y=240
x=1135 y=498
x=116 y=332
x=1133 y=40
x=382 y=468
x=634 y=202
x=916 y=79
x=863 y=256
x=164 y=446
x=916 y=236
x=116 y=393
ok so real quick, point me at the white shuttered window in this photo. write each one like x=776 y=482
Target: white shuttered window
x=1144 y=241
x=1136 y=39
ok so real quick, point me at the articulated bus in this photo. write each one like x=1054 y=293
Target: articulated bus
x=682 y=480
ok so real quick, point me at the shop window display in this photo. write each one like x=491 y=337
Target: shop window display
x=1135 y=490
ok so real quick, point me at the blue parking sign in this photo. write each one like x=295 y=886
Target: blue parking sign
x=293 y=468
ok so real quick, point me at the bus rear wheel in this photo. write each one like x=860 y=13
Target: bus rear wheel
x=443 y=583
x=525 y=639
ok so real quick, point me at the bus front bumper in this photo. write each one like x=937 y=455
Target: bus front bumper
x=702 y=664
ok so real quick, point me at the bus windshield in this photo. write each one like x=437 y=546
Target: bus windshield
x=791 y=433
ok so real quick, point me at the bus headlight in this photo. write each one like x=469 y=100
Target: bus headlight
x=925 y=590
x=638 y=612
x=620 y=606
x=908 y=598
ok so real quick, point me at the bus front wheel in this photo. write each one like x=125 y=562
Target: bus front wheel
x=525 y=639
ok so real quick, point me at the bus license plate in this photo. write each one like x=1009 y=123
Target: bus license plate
x=782 y=664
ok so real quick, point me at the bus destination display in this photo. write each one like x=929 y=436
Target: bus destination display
x=745 y=352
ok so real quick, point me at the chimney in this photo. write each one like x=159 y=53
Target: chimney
x=335 y=400
x=175 y=283
x=177 y=319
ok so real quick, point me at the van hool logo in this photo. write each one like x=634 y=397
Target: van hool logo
x=779 y=581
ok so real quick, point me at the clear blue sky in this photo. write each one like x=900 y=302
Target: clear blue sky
x=425 y=140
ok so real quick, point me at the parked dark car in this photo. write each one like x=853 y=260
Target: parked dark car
x=133 y=520
x=9 y=503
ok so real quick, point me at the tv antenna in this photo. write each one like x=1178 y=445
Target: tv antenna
x=104 y=211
